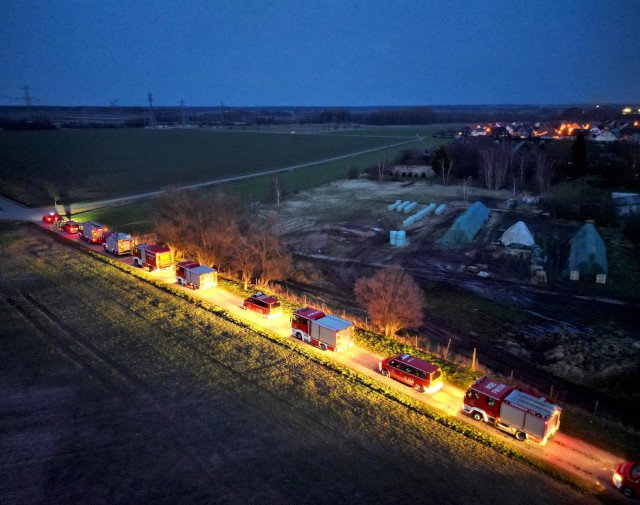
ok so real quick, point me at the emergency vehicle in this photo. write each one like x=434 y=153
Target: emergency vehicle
x=263 y=304
x=153 y=257
x=118 y=243
x=195 y=275
x=421 y=375
x=322 y=330
x=92 y=232
x=522 y=414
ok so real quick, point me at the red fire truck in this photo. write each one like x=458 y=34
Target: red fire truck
x=522 y=414
x=322 y=330
x=421 y=375
x=152 y=257
x=195 y=275
x=92 y=232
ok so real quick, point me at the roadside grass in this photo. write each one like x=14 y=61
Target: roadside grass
x=171 y=341
x=84 y=165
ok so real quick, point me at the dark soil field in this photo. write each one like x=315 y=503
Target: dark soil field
x=576 y=341
x=112 y=391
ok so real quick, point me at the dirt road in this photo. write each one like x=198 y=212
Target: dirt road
x=591 y=464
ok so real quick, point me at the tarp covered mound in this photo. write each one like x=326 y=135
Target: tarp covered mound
x=517 y=236
x=587 y=254
x=466 y=227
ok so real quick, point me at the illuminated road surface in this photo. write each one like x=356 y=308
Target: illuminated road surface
x=589 y=463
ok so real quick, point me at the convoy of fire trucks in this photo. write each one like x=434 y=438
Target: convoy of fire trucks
x=524 y=415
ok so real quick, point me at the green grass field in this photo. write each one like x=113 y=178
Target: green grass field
x=83 y=165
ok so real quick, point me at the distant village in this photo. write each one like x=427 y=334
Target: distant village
x=607 y=131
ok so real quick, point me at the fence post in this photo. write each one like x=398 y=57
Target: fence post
x=595 y=410
x=473 y=360
x=511 y=377
x=446 y=352
x=551 y=393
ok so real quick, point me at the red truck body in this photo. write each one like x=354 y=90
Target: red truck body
x=524 y=415
x=324 y=331
x=94 y=233
x=153 y=257
x=415 y=372
x=195 y=275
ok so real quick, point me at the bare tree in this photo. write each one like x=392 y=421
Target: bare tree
x=392 y=298
x=381 y=167
x=466 y=185
x=445 y=167
x=198 y=226
x=519 y=173
x=496 y=166
x=277 y=191
x=274 y=261
x=544 y=173
x=243 y=259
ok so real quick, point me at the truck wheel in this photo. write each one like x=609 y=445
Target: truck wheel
x=136 y=263
x=521 y=436
x=627 y=491
x=418 y=388
x=385 y=372
x=477 y=416
x=113 y=251
x=298 y=334
x=323 y=347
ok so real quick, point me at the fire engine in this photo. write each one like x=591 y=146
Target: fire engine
x=522 y=414
x=152 y=257
x=421 y=375
x=118 y=243
x=322 y=330
x=195 y=275
x=92 y=232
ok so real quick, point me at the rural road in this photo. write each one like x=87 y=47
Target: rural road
x=592 y=465
x=13 y=211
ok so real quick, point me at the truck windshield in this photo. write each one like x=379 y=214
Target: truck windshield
x=436 y=375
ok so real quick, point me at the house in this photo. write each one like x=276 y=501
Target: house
x=605 y=136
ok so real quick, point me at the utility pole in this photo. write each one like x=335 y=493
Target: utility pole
x=27 y=101
x=182 y=102
x=152 y=119
x=221 y=114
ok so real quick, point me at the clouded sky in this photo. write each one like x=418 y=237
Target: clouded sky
x=320 y=52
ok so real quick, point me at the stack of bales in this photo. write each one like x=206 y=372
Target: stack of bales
x=394 y=206
x=397 y=238
x=441 y=208
x=402 y=206
x=410 y=207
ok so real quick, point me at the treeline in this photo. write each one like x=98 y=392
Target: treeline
x=219 y=230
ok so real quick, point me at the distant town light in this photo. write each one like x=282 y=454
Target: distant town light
x=626 y=110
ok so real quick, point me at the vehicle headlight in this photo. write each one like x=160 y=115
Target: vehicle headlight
x=617 y=479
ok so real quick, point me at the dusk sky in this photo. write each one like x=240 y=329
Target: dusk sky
x=320 y=52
